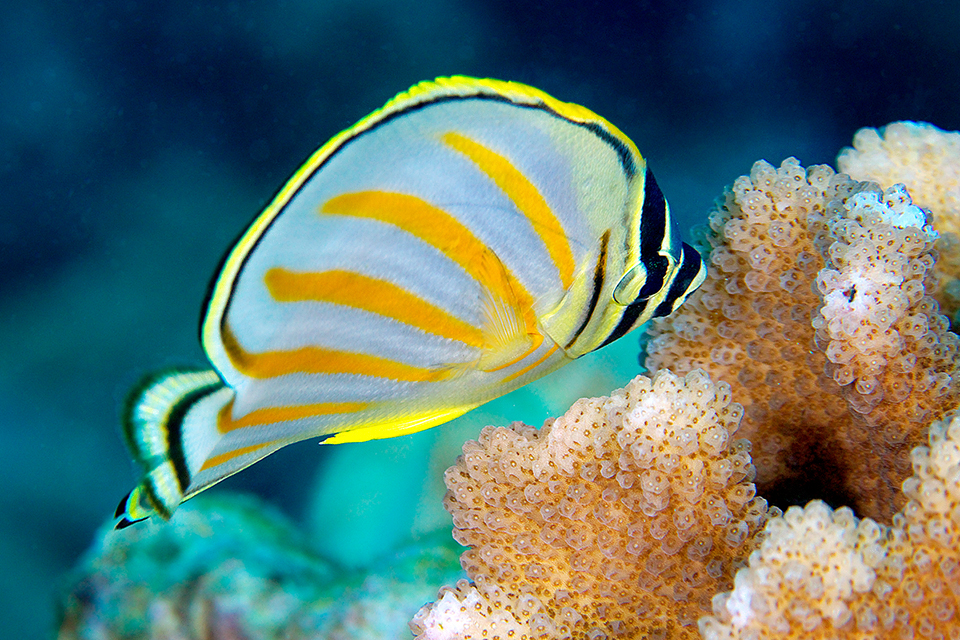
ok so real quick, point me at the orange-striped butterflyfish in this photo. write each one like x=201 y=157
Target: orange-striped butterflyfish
x=465 y=239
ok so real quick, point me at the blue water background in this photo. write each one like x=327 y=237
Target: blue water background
x=137 y=139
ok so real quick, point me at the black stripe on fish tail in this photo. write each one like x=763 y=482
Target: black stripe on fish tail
x=134 y=427
x=153 y=495
x=122 y=507
x=598 y=275
x=122 y=510
x=690 y=268
x=153 y=424
x=174 y=426
x=126 y=522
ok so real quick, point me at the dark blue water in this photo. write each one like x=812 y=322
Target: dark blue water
x=138 y=138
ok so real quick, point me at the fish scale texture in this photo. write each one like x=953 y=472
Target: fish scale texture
x=621 y=518
x=816 y=311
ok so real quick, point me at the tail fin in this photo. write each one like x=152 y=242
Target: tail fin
x=170 y=423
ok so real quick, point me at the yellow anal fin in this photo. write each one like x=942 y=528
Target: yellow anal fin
x=399 y=426
x=510 y=328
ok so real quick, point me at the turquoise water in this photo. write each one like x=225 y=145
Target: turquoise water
x=138 y=139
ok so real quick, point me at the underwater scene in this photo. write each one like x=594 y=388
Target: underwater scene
x=720 y=403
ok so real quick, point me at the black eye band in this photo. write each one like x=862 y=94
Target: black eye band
x=652 y=219
x=656 y=274
x=680 y=287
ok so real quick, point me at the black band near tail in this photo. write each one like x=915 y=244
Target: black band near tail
x=175 y=430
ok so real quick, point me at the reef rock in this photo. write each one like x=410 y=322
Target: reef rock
x=230 y=568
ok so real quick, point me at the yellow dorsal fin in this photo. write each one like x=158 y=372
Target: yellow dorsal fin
x=509 y=328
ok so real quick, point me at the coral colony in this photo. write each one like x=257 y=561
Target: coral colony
x=622 y=517
x=815 y=311
x=814 y=362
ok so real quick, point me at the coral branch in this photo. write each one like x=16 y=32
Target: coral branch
x=823 y=574
x=620 y=518
x=815 y=311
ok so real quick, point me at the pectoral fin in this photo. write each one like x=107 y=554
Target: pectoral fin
x=510 y=327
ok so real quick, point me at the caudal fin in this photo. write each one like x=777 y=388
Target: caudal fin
x=170 y=425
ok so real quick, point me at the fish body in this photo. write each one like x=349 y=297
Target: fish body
x=467 y=238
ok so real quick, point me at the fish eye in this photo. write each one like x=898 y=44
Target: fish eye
x=658 y=267
x=629 y=286
x=644 y=279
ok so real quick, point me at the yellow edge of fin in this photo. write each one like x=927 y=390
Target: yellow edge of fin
x=419 y=93
x=391 y=428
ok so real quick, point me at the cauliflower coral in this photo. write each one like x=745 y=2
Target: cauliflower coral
x=623 y=517
x=821 y=573
x=916 y=154
x=816 y=309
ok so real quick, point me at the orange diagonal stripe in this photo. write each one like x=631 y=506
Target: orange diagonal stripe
x=435 y=227
x=272 y=415
x=322 y=360
x=370 y=294
x=532 y=365
x=214 y=461
x=524 y=195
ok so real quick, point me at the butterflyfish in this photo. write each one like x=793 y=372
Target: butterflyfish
x=465 y=239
